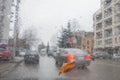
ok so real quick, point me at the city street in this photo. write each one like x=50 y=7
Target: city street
x=61 y=37
x=46 y=70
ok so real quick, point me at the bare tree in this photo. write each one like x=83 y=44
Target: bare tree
x=30 y=36
x=75 y=26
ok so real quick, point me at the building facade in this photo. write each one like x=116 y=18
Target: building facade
x=75 y=40
x=107 y=27
x=5 y=18
x=87 y=42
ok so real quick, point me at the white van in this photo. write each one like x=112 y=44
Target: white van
x=43 y=52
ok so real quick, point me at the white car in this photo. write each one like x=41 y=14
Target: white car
x=22 y=53
x=116 y=57
x=43 y=52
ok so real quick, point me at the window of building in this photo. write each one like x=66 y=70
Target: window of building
x=115 y=40
x=108 y=41
x=119 y=39
x=108 y=12
x=99 y=26
x=98 y=35
x=108 y=33
x=117 y=19
x=99 y=17
x=99 y=42
x=88 y=47
x=117 y=7
x=108 y=22
x=107 y=2
x=88 y=42
x=117 y=30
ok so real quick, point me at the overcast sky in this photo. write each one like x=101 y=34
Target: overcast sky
x=48 y=15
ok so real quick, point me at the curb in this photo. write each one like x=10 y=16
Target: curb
x=5 y=72
x=17 y=61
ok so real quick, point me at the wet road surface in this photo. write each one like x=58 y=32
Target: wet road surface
x=46 y=70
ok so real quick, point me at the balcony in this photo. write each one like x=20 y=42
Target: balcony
x=107 y=3
x=99 y=35
x=99 y=17
x=98 y=43
x=108 y=41
x=108 y=12
x=108 y=22
x=108 y=33
x=99 y=26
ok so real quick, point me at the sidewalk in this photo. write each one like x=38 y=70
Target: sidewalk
x=108 y=61
x=6 y=67
x=17 y=60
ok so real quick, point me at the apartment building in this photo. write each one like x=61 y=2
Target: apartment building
x=107 y=27
x=5 y=11
x=84 y=41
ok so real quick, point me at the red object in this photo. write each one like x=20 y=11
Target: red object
x=70 y=57
x=88 y=57
x=71 y=40
x=4 y=53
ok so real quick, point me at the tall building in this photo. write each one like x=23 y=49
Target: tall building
x=5 y=13
x=107 y=27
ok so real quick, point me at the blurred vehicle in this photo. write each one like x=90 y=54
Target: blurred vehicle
x=80 y=57
x=56 y=52
x=93 y=56
x=22 y=53
x=116 y=57
x=31 y=56
x=50 y=52
x=103 y=55
x=43 y=52
x=4 y=53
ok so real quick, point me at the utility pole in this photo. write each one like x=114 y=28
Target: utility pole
x=15 y=26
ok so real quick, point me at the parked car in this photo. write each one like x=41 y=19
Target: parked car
x=4 y=53
x=103 y=55
x=93 y=56
x=116 y=57
x=22 y=53
x=80 y=57
x=31 y=56
x=52 y=51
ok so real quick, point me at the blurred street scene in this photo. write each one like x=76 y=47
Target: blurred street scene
x=59 y=39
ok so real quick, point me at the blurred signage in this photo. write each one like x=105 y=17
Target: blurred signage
x=3 y=41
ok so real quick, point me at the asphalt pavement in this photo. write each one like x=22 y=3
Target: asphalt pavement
x=46 y=70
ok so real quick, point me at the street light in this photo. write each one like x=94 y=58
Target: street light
x=15 y=26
